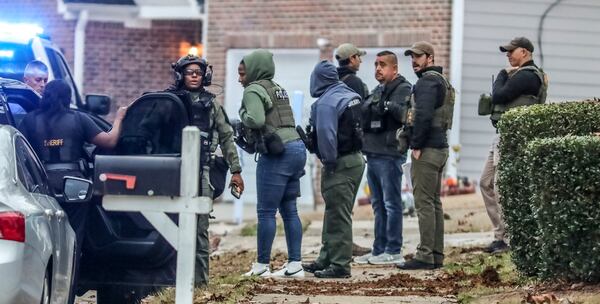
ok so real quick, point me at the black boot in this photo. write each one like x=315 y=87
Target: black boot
x=416 y=264
x=497 y=246
x=312 y=267
x=332 y=273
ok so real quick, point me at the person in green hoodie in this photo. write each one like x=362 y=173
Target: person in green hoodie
x=267 y=113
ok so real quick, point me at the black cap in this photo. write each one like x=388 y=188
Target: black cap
x=517 y=42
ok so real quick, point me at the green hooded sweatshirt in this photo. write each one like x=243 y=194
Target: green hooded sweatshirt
x=259 y=65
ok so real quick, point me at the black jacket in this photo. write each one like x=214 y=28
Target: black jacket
x=524 y=82
x=429 y=93
x=392 y=107
x=349 y=77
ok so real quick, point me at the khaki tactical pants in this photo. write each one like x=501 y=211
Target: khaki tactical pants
x=339 y=192
x=427 y=174
x=489 y=190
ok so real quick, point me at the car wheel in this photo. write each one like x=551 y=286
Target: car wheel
x=46 y=289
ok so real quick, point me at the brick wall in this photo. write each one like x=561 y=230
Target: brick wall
x=298 y=23
x=126 y=62
x=121 y=62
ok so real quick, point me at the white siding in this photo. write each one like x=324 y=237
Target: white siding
x=571 y=38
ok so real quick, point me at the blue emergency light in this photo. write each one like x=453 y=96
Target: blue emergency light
x=19 y=31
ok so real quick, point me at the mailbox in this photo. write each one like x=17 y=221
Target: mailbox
x=147 y=175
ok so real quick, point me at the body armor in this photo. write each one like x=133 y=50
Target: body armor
x=523 y=100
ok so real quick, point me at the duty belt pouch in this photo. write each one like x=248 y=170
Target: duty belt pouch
x=402 y=137
x=274 y=144
x=485 y=105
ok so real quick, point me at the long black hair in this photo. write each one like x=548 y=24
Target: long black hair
x=56 y=98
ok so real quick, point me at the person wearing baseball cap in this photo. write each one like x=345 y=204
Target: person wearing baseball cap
x=349 y=60
x=426 y=133
x=521 y=84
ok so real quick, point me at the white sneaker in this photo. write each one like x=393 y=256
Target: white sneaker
x=258 y=269
x=363 y=259
x=386 y=259
x=290 y=270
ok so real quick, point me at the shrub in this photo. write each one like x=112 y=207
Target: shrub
x=565 y=187
x=517 y=128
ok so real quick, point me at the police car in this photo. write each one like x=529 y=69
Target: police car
x=124 y=257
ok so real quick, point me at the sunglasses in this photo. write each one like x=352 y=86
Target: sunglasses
x=190 y=72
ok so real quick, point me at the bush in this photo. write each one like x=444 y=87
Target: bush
x=517 y=128
x=565 y=187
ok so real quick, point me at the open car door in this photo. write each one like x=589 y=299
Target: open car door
x=153 y=125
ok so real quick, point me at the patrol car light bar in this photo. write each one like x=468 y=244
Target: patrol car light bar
x=7 y=53
x=24 y=31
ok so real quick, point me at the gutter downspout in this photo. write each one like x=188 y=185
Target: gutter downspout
x=79 y=59
x=204 y=39
x=456 y=62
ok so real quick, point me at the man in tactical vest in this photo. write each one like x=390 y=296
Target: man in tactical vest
x=383 y=113
x=349 y=60
x=430 y=116
x=267 y=115
x=521 y=84
x=192 y=74
x=337 y=140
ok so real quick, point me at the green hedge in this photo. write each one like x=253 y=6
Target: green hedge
x=565 y=187
x=517 y=128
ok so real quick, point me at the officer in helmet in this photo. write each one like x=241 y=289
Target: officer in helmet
x=192 y=74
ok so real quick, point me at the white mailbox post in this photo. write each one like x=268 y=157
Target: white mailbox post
x=187 y=205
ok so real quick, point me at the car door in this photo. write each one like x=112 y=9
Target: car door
x=30 y=170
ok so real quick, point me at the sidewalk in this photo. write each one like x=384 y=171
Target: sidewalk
x=313 y=290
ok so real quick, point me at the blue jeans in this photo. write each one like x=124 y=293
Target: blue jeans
x=384 y=175
x=278 y=186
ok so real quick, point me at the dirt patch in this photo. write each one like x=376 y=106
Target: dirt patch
x=490 y=277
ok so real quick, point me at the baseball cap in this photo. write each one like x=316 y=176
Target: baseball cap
x=347 y=50
x=517 y=42
x=420 y=48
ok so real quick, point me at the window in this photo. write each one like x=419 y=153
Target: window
x=29 y=169
x=61 y=71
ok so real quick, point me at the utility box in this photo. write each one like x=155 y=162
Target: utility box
x=137 y=175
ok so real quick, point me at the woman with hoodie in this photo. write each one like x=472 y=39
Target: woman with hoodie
x=266 y=111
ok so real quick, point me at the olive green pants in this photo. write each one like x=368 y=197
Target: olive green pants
x=426 y=175
x=202 y=242
x=339 y=190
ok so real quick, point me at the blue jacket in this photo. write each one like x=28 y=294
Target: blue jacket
x=333 y=98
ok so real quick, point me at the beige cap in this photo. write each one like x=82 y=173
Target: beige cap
x=516 y=43
x=347 y=50
x=420 y=48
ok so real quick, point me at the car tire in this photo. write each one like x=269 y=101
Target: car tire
x=46 y=291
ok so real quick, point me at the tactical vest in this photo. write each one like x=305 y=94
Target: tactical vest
x=278 y=112
x=53 y=147
x=374 y=118
x=442 y=117
x=523 y=100
x=349 y=134
x=203 y=116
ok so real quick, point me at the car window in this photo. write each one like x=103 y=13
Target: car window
x=13 y=59
x=29 y=169
x=61 y=71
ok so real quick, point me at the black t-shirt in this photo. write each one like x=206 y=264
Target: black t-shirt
x=65 y=133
